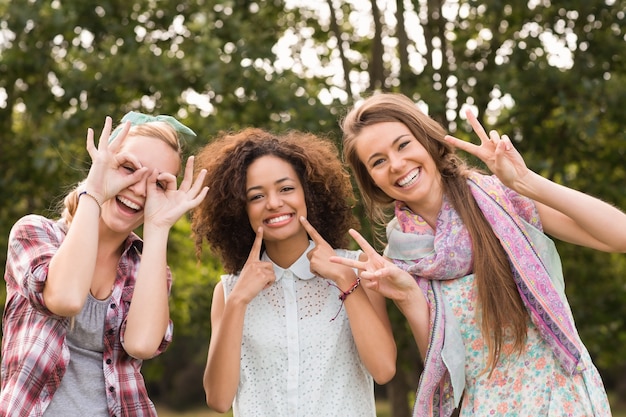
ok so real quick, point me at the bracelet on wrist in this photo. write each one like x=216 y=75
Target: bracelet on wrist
x=93 y=198
x=345 y=294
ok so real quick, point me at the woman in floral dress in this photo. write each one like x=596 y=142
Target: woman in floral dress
x=468 y=264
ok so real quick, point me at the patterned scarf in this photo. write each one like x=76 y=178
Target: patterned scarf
x=449 y=257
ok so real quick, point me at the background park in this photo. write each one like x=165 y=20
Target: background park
x=551 y=74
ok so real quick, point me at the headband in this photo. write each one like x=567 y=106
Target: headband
x=136 y=118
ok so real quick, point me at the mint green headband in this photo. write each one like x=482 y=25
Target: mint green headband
x=136 y=118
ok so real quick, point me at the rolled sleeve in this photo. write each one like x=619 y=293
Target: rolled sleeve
x=33 y=241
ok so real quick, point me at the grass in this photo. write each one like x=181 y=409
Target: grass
x=382 y=408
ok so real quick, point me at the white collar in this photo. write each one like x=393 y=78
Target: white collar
x=301 y=268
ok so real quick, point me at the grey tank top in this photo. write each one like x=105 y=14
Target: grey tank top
x=82 y=391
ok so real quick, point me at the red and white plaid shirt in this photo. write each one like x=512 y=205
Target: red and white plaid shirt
x=34 y=351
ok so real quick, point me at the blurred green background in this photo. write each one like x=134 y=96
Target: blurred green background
x=550 y=74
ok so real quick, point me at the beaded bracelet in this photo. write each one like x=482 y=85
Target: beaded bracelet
x=94 y=199
x=345 y=294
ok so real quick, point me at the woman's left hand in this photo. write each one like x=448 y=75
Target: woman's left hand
x=495 y=150
x=319 y=258
x=165 y=203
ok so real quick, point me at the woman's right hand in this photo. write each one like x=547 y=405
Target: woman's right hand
x=379 y=274
x=105 y=180
x=255 y=275
x=496 y=151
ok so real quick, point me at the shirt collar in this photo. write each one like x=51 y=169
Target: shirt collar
x=301 y=268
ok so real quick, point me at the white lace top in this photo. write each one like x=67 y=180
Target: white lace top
x=295 y=361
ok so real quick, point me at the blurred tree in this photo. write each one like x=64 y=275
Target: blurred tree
x=549 y=73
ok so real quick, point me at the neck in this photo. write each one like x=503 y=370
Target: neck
x=428 y=210
x=285 y=252
x=110 y=243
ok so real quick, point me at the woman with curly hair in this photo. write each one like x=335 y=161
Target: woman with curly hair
x=292 y=333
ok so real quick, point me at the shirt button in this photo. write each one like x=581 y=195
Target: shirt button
x=111 y=389
x=108 y=361
x=113 y=305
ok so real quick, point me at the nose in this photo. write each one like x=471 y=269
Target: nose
x=274 y=201
x=139 y=188
x=396 y=162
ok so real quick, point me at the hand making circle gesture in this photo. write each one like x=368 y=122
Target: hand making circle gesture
x=165 y=204
x=104 y=180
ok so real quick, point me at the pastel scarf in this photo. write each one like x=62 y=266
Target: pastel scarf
x=447 y=255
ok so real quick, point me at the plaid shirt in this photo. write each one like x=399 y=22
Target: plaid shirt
x=34 y=351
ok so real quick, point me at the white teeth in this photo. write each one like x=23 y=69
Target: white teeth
x=409 y=179
x=128 y=203
x=278 y=219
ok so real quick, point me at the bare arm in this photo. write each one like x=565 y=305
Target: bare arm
x=221 y=374
x=381 y=276
x=566 y=214
x=148 y=315
x=575 y=217
x=73 y=266
x=366 y=310
x=372 y=333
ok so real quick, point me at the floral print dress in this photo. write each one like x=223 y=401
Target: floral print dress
x=527 y=384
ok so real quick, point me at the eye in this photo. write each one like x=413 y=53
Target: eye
x=287 y=188
x=161 y=185
x=129 y=168
x=402 y=145
x=377 y=162
x=254 y=197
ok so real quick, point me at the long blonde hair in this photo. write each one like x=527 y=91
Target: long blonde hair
x=501 y=305
x=158 y=130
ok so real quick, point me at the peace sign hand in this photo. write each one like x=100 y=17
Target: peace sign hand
x=255 y=275
x=319 y=258
x=378 y=273
x=496 y=151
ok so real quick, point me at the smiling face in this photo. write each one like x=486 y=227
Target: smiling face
x=400 y=166
x=275 y=201
x=124 y=213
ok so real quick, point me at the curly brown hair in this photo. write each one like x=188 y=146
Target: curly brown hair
x=221 y=219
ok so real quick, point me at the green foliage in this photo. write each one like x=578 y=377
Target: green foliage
x=65 y=65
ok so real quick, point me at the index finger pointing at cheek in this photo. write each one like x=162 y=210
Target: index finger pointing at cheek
x=255 y=251
x=317 y=238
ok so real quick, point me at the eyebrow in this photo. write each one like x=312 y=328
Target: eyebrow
x=392 y=144
x=278 y=181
